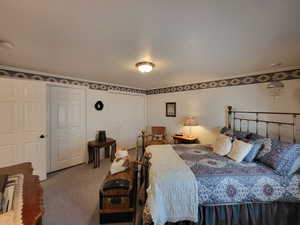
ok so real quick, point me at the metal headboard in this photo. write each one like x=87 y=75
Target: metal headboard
x=233 y=117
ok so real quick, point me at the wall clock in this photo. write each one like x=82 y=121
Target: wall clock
x=99 y=105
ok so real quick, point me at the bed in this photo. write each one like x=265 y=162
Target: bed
x=233 y=193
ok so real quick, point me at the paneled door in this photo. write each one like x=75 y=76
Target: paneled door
x=67 y=125
x=23 y=124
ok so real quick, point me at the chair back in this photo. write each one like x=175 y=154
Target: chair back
x=159 y=131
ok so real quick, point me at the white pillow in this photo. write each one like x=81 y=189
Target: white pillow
x=223 y=145
x=157 y=137
x=239 y=150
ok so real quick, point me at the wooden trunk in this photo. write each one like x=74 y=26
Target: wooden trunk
x=117 y=197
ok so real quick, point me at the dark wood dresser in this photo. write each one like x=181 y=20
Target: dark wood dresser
x=32 y=193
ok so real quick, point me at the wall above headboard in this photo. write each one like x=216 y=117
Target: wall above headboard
x=208 y=106
x=236 y=81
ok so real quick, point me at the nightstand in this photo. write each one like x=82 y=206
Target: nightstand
x=185 y=140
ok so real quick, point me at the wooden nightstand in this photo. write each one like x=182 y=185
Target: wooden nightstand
x=94 y=147
x=185 y=140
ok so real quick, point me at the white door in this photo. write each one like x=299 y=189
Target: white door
x=22 y=124
x=67 y=125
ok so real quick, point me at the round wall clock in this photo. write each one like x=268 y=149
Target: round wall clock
x=99 y=105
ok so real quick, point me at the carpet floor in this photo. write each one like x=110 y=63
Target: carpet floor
x=71 y=196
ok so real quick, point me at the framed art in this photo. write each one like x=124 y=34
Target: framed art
x=171 y=109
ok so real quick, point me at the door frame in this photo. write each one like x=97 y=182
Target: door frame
x=49 y=85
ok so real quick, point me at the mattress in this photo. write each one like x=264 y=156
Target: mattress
x=223 y=181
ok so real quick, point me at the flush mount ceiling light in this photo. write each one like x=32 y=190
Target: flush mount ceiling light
x=145 y=67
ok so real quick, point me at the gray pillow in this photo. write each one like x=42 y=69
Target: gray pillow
x=283 y=157
x=257 y=146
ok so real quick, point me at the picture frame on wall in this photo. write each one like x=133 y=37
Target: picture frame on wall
x=171 y=109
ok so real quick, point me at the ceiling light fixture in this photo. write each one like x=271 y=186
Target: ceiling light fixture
x=145 y=67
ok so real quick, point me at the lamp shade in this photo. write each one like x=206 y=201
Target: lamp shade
x=191 y=122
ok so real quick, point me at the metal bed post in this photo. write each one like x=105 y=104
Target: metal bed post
x=256 y=124
x=294 y=128
x=229 y=116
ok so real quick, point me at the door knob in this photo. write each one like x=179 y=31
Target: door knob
x=42 y=136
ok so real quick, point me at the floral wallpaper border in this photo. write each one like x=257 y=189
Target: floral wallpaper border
x=243 y=80
x=90 y=84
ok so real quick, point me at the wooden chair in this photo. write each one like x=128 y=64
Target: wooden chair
x=157 y=137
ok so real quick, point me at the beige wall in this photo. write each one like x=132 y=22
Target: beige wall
x=123 y=116
x=208 y=106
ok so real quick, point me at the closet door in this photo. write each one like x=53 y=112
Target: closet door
x=9 y=122
x=23 y=124
x=67 y=125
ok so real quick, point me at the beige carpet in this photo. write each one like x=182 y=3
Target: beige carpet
x=71 y=196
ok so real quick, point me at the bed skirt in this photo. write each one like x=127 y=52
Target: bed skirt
x=276 y=213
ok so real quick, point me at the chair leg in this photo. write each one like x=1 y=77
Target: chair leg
x=107 y=150
x=95 y=156
x=99 y=157
x=113 y=151
x=90 y=154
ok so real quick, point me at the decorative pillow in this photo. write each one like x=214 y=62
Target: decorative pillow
x=283 y=157
x=157 y=137
x=257 y=146
x=223 y=145
x=267 y=145
x=239 y=150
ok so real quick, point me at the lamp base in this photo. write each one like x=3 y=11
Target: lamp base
x=190 y=135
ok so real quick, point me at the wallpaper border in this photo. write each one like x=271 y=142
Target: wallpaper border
x=229 y=82
x=236 y=81
x=62 y=80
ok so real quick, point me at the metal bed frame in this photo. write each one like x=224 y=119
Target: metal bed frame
x=232 y=118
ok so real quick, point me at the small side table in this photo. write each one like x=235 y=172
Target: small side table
x=185 y=140
x=94 y=147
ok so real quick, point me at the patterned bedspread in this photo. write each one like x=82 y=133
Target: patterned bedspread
x=223 y=181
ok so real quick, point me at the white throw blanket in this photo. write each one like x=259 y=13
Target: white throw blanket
x=173 y=190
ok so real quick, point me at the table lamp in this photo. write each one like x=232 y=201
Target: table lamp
x=190 y=122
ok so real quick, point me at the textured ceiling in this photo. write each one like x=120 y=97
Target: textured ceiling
x=189 y=41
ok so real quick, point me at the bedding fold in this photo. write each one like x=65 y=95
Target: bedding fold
x=173 y=189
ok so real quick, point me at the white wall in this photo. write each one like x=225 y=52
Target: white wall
x=123 y=116
x=208 y=106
